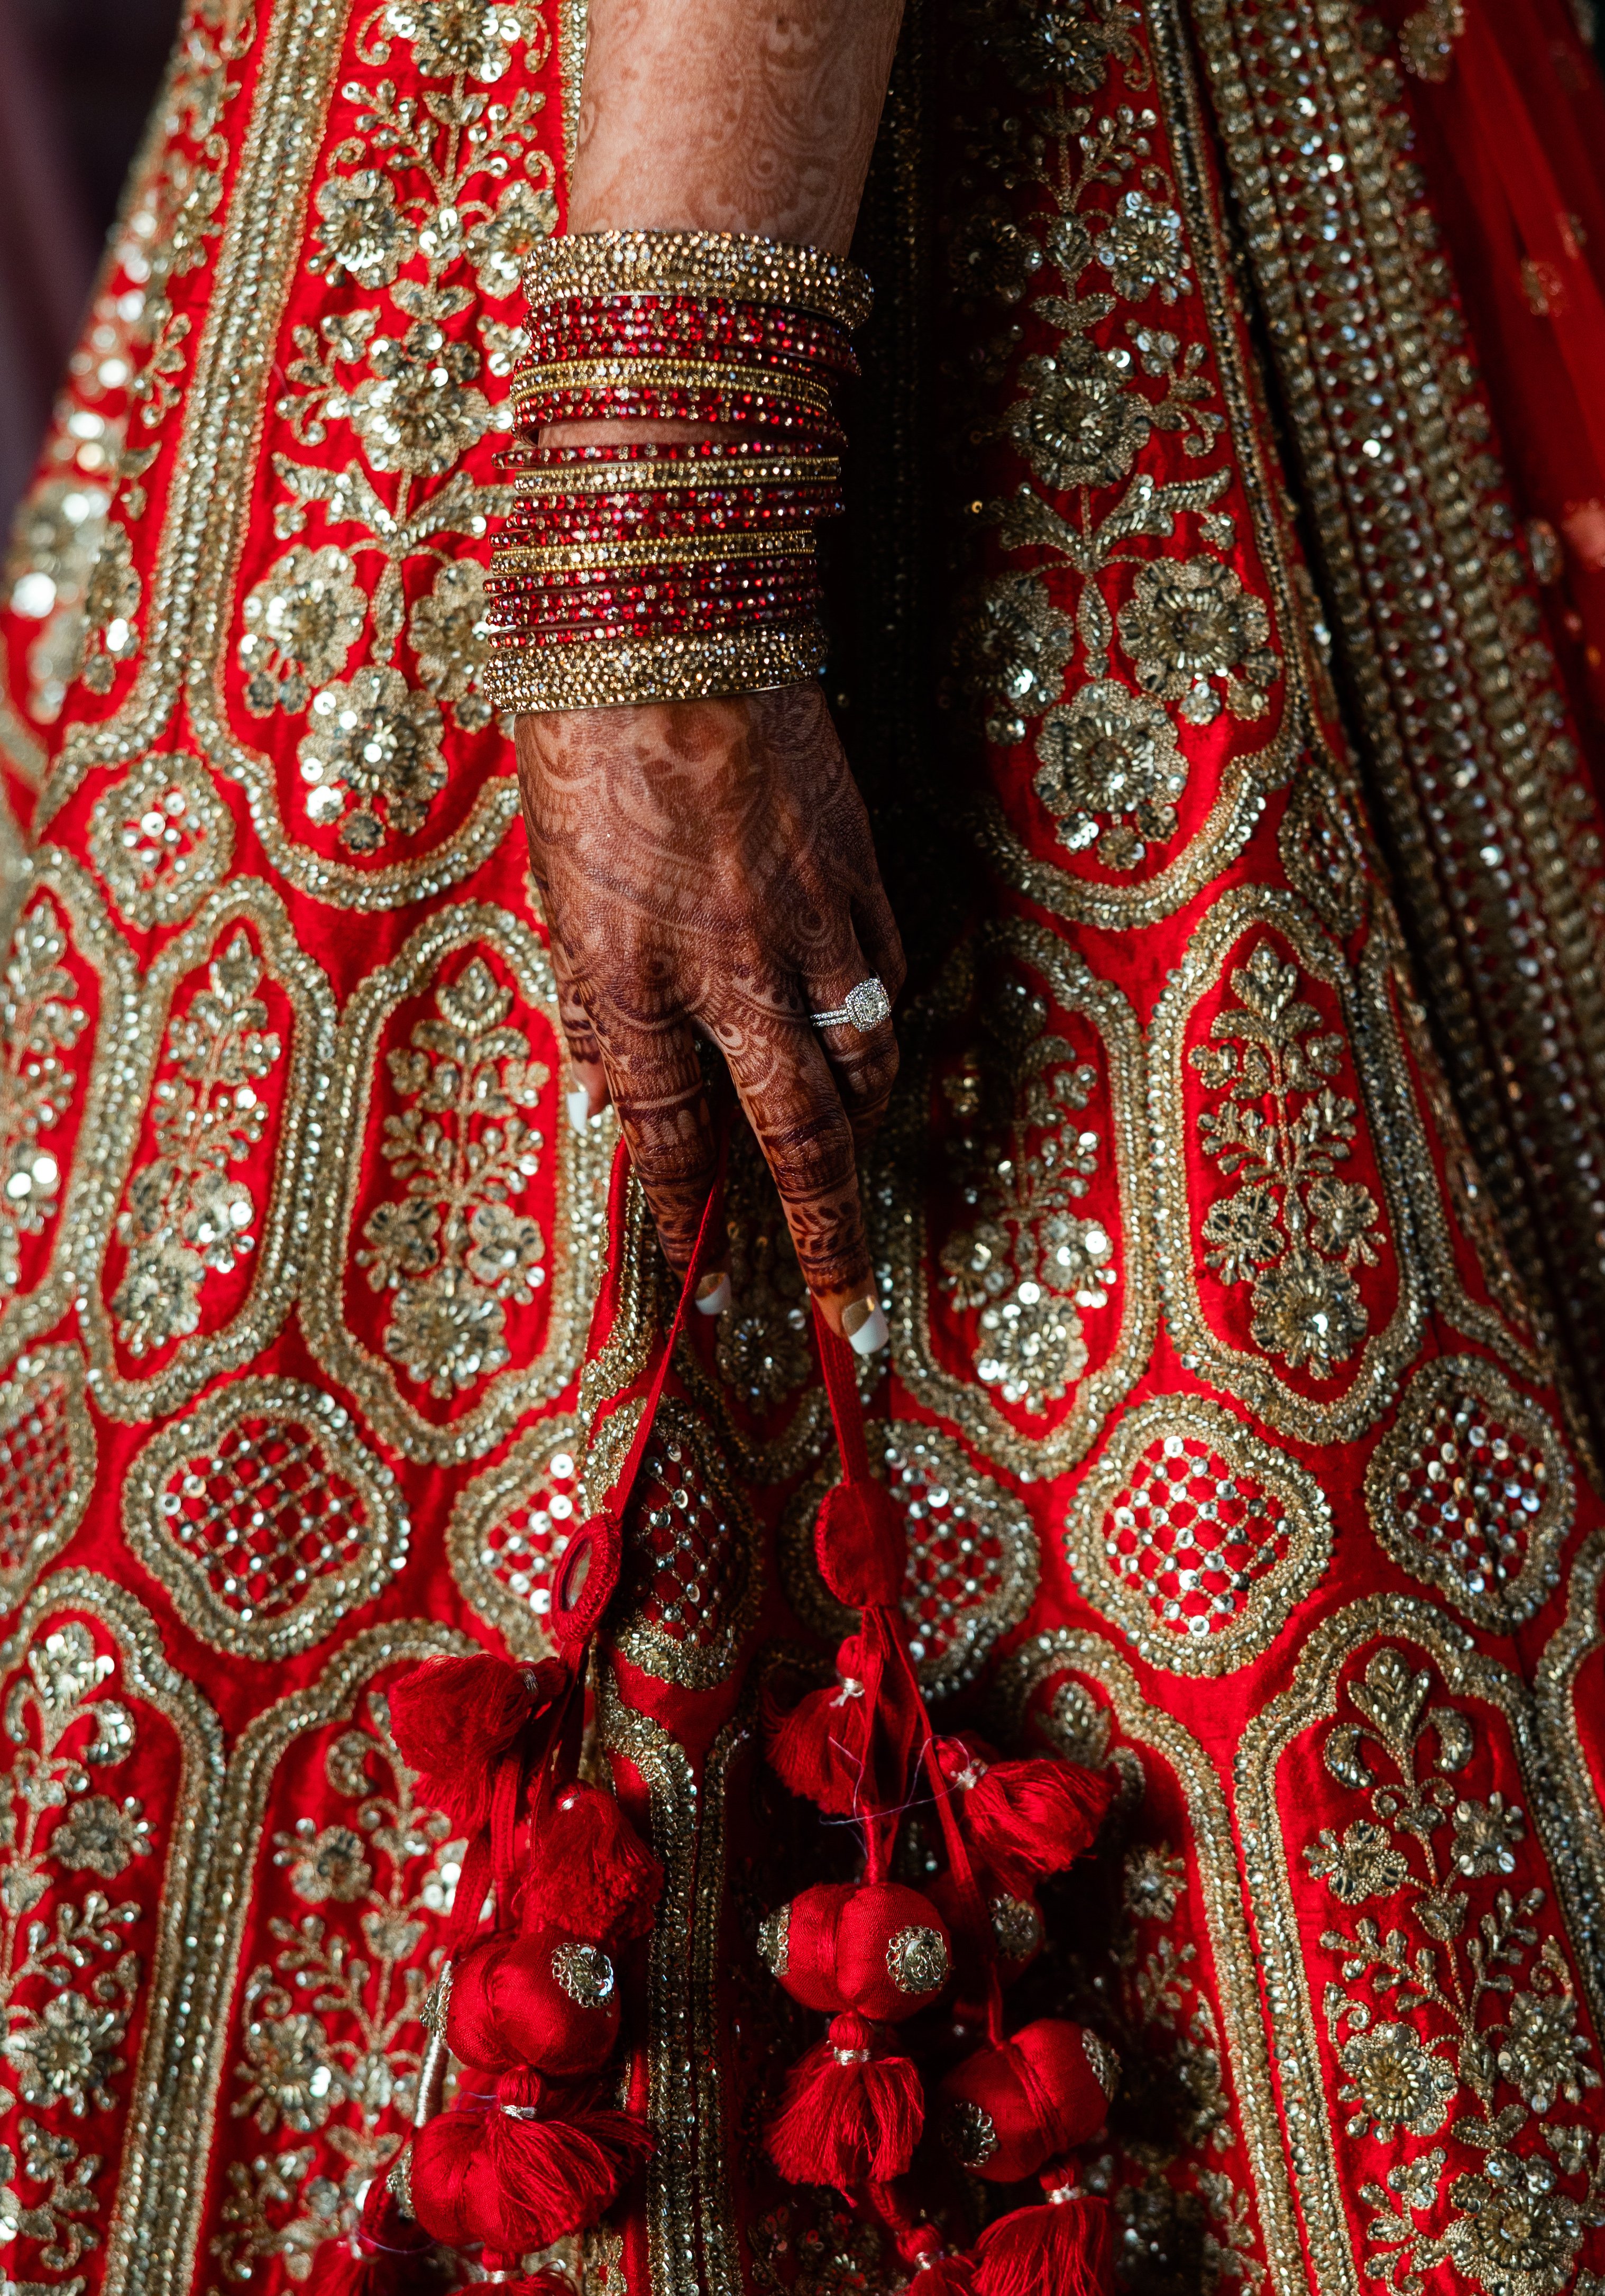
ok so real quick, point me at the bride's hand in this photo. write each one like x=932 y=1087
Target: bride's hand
x=707 y=866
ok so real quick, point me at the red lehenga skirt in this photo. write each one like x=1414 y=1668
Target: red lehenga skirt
x=1244 y=1241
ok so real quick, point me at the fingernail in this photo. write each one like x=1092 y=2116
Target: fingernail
x=713 y=1295
x=579 y=1108
x=864 y=1321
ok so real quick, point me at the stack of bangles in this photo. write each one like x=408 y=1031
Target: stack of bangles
x=662 y=573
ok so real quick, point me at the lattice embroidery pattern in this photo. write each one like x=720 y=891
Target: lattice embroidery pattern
x=512 y=1526
x=47 y=1455
x=162 y=839
x=1459 y=2019
x=265 y=1517
x=1197 y=1537
x=972 y=1558
x=1471 y=1491
x=693 y=1571
x=331 y=2022
x=70 y=1980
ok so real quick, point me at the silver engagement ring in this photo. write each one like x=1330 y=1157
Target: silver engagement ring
x=864 y=1009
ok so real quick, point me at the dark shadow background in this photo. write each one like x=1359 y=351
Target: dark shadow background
x=77 y=78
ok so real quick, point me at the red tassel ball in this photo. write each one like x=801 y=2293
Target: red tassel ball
x=848 y=2116
x=1066 y=2248
x=592 y=1875
x=876 y=1947
x=1023 y=1819
x=456 y=1718
x=547 y=2001
x=819 y=1750
x=1009 y=2110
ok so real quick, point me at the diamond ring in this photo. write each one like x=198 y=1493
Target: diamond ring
x=864 y=1009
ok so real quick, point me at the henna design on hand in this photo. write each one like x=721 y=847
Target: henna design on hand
x=708 y=867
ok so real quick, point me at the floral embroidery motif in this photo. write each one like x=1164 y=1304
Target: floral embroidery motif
x=301 y=622
x=185 y=1217
x=68 y=1984
x=39 y=1021
x=1189 y=621
x=1051 y=45
x=161 y=838
x=1289 y=1228
x=1112 y=752
x=1481 y=2037
x=452 y=1248
x=452 y=180
x=331 y=2026
x=378 y=738
x=1028 y=1266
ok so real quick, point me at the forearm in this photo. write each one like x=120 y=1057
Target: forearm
x=731 y=115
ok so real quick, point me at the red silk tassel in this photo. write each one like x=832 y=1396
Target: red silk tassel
x=456 y=1718
x=519 y=2183
x=820 y=1751
x=1065 y=2248
x=1023 y=1819
x=592 y=1876
x=848 y=2116
x=388 y=2255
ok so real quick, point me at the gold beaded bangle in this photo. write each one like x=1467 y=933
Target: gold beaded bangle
x=732 y=265
x=612 y=672
x=665 y=475
x=636 y=550
x=566 y=376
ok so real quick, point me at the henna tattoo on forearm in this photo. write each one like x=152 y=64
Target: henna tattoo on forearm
x=731 y=115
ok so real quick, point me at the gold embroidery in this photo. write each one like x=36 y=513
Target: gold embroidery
x=1427 y=39
x=1556 y=1680
x=177 y=1216
x=265 y=1517
x=301 y=622
x=1470 y=1491
x=183 y=1216
x=1231 y=2083
x=65 y=923
x=1196 y=1537
x=78 y=1673
x=693 y=1571
x=42 y=1021
x=1290 y=1228
x=511 y=1526
x=453 y=1247
x=47 y=1461
x=162 y=840
x=972 y=1562
x=1034 y=1271
x=1482 y=781
x=1472 y=1980
x=324 y=2070
x=448 y=1252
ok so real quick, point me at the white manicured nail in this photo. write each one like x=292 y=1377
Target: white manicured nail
x=579 y=1108
x=865 y=1322
x=713 y=1295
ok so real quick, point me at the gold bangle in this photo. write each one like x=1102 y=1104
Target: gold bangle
x=566 y=376
x=732 y=265
x=636 y=550
x=616 y=672
x=773 y=468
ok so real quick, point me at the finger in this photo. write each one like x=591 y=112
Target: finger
x=794 y=1108
x=656 y=1081
x=862 y=1061
x=589 y=1094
